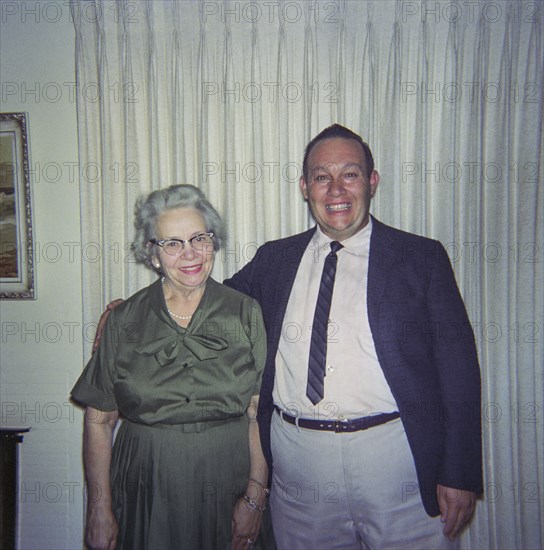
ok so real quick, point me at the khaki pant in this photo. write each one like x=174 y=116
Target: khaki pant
x=348 y=491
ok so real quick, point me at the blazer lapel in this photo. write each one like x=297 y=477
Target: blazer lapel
x=286 y=276
x=381 y=259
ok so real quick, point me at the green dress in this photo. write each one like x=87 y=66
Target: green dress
x=181 y=456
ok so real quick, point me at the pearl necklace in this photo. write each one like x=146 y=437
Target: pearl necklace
x=182 y=317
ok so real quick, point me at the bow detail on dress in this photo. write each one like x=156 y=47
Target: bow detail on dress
x=167 y=349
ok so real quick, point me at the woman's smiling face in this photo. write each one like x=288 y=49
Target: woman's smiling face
x=189 y=270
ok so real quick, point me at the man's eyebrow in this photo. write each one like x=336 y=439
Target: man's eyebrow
x=336 y=165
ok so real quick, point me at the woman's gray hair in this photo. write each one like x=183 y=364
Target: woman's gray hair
x=148 y=208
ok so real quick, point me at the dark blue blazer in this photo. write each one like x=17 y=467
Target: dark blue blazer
x=423 y=339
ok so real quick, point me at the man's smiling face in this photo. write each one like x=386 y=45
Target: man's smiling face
x=338 y=189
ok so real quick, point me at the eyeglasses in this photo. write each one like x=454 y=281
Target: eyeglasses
x=199 y=243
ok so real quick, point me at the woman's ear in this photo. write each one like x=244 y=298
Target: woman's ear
x=155 y=262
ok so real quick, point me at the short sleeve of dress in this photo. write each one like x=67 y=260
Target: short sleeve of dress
x=95 y=385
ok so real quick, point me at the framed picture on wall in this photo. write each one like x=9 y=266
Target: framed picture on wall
x=16 y=244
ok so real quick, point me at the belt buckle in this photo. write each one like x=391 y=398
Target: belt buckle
x=341 y=425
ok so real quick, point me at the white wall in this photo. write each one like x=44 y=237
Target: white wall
x=41 y=349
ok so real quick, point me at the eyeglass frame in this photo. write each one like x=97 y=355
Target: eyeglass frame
x=184 y=242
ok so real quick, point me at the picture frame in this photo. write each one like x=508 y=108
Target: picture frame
x=16 y=236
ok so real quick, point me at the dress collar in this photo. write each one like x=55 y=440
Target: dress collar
x=199 y=342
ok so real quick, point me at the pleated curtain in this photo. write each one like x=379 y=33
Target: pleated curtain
x=449 y=95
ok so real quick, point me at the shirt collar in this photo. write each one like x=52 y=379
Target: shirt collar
x=356 y=244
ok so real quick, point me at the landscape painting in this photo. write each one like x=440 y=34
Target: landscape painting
x=16 y=243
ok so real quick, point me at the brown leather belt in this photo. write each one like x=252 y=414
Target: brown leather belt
x=339 y=426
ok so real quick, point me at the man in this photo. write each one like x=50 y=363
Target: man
x=347 y=472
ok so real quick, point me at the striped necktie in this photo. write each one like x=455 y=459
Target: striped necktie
x=318 y=344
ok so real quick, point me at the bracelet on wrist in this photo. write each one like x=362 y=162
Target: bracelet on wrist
x=263 y=487
x=253 y=505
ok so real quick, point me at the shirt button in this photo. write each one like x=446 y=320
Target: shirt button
x=330 y=368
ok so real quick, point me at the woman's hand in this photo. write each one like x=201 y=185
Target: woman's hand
x=245 y=525
x=101 y=531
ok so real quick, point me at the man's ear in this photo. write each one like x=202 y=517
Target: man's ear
x=374 y=180
x=303 y=187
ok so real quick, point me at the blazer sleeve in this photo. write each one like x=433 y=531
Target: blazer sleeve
x=250 y=279
x=458 y=372
x=242 y=281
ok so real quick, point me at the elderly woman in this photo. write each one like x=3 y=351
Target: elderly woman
x=180 y=362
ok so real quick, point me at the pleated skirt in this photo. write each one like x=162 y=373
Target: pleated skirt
x=174 y=490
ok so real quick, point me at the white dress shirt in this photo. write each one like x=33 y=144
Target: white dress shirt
x=354 y=382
